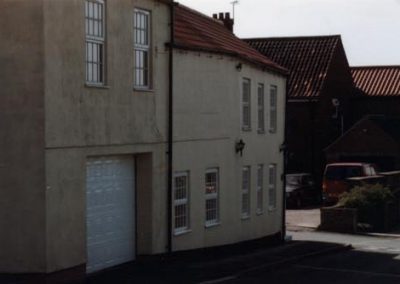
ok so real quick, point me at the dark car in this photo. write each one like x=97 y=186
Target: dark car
x=301 y=190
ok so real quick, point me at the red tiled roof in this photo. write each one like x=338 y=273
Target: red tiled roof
x=307 y=58
x=377 y=81
x=195 y=31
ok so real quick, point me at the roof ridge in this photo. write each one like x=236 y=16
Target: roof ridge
x=374 y=66
x=179 y=5
x=294 y=37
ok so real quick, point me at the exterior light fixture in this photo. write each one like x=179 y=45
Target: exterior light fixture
x=239 y=66
x=239 y=146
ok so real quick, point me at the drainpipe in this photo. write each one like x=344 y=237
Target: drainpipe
x=170 y=129
x=285 y=161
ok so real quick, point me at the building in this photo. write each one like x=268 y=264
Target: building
x=83 y=111
x=319 y=88
x=373 y=139
x=226 y=96
x=377 y=91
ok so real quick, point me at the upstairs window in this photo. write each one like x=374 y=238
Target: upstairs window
x=273 y=108
x=260 y=109
x=95 y=41
x=246 y=100
x=141 y=35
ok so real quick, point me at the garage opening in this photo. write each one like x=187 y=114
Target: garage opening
x=110 y=211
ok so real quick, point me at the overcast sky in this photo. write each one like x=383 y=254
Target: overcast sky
x=370 y=29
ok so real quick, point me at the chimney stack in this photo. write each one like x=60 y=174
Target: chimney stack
x=225 y=19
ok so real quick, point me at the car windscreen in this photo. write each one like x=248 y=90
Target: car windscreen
x=343 y=172
x=293 y=180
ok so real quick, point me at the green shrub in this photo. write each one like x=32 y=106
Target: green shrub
x=365 y=195
x=369 y=200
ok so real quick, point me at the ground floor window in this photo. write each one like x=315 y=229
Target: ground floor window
x=272 y=187
x=181 y=202
x=260 y=188
x=211 y=196
x=246 y=192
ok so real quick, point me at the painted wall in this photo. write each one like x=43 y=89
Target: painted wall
x=51 y=122
x=22 y=181
x=207 y=123
x=84 y=121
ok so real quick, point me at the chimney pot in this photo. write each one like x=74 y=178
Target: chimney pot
x=215 y=16
x=221 y=16
x=227 y=16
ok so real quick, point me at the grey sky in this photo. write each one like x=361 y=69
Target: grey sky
x=370 y=29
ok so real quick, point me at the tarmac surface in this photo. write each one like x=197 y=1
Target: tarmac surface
x=308 y=256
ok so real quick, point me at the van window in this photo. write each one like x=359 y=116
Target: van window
x=343 y=172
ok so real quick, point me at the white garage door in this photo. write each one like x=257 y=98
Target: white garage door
x=110 y=212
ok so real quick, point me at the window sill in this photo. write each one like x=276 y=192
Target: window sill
x=97 y=86
x=261 y=131
x=272 y=131
x=245 y=217
x=183 y=232
x=272 y=209
x=210 y=225
x=143 y=90
x=259 y=213
x=246 y=129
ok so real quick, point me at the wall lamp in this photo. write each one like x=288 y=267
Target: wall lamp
x=239 y=147
x=239 y=66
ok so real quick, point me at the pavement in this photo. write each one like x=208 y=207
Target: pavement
x=303 y=218
x=309 y=256
x=210 y=266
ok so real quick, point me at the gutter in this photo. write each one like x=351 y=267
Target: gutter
x=170 y=130
x=285 y=158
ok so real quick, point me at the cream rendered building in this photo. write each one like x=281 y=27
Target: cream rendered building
x=83 y=111
x=84 y=115
x=225 y=93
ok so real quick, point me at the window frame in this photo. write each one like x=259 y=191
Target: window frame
x=246 y=126
x=272 y=184
x=260 y=189
x=261 y=108
x=93 y=40
x=273 y=111
x=212 y=196
x=246 y=207
x=182 y=201
x=145 y=48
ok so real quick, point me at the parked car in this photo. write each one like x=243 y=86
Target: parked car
x=300 y=190
x=337 y=176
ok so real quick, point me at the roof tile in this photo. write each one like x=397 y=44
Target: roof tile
x=195 y=31
x=377 y=81
x=307 y=58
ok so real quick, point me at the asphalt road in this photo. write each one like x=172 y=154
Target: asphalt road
x=372 y=260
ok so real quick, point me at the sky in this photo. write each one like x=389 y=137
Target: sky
x=370 y=29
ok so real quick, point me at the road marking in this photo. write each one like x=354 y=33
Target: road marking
x=219 y=280
x=349 y=271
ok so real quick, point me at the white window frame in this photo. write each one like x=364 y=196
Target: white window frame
x=95 y=42
x=273 y=103
x=184 y=200
x=246 y=185
x=142 y=70
x=272 y=179
x=261 y=108
x=260 y=189
x=212 y=196
x=246 y=105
